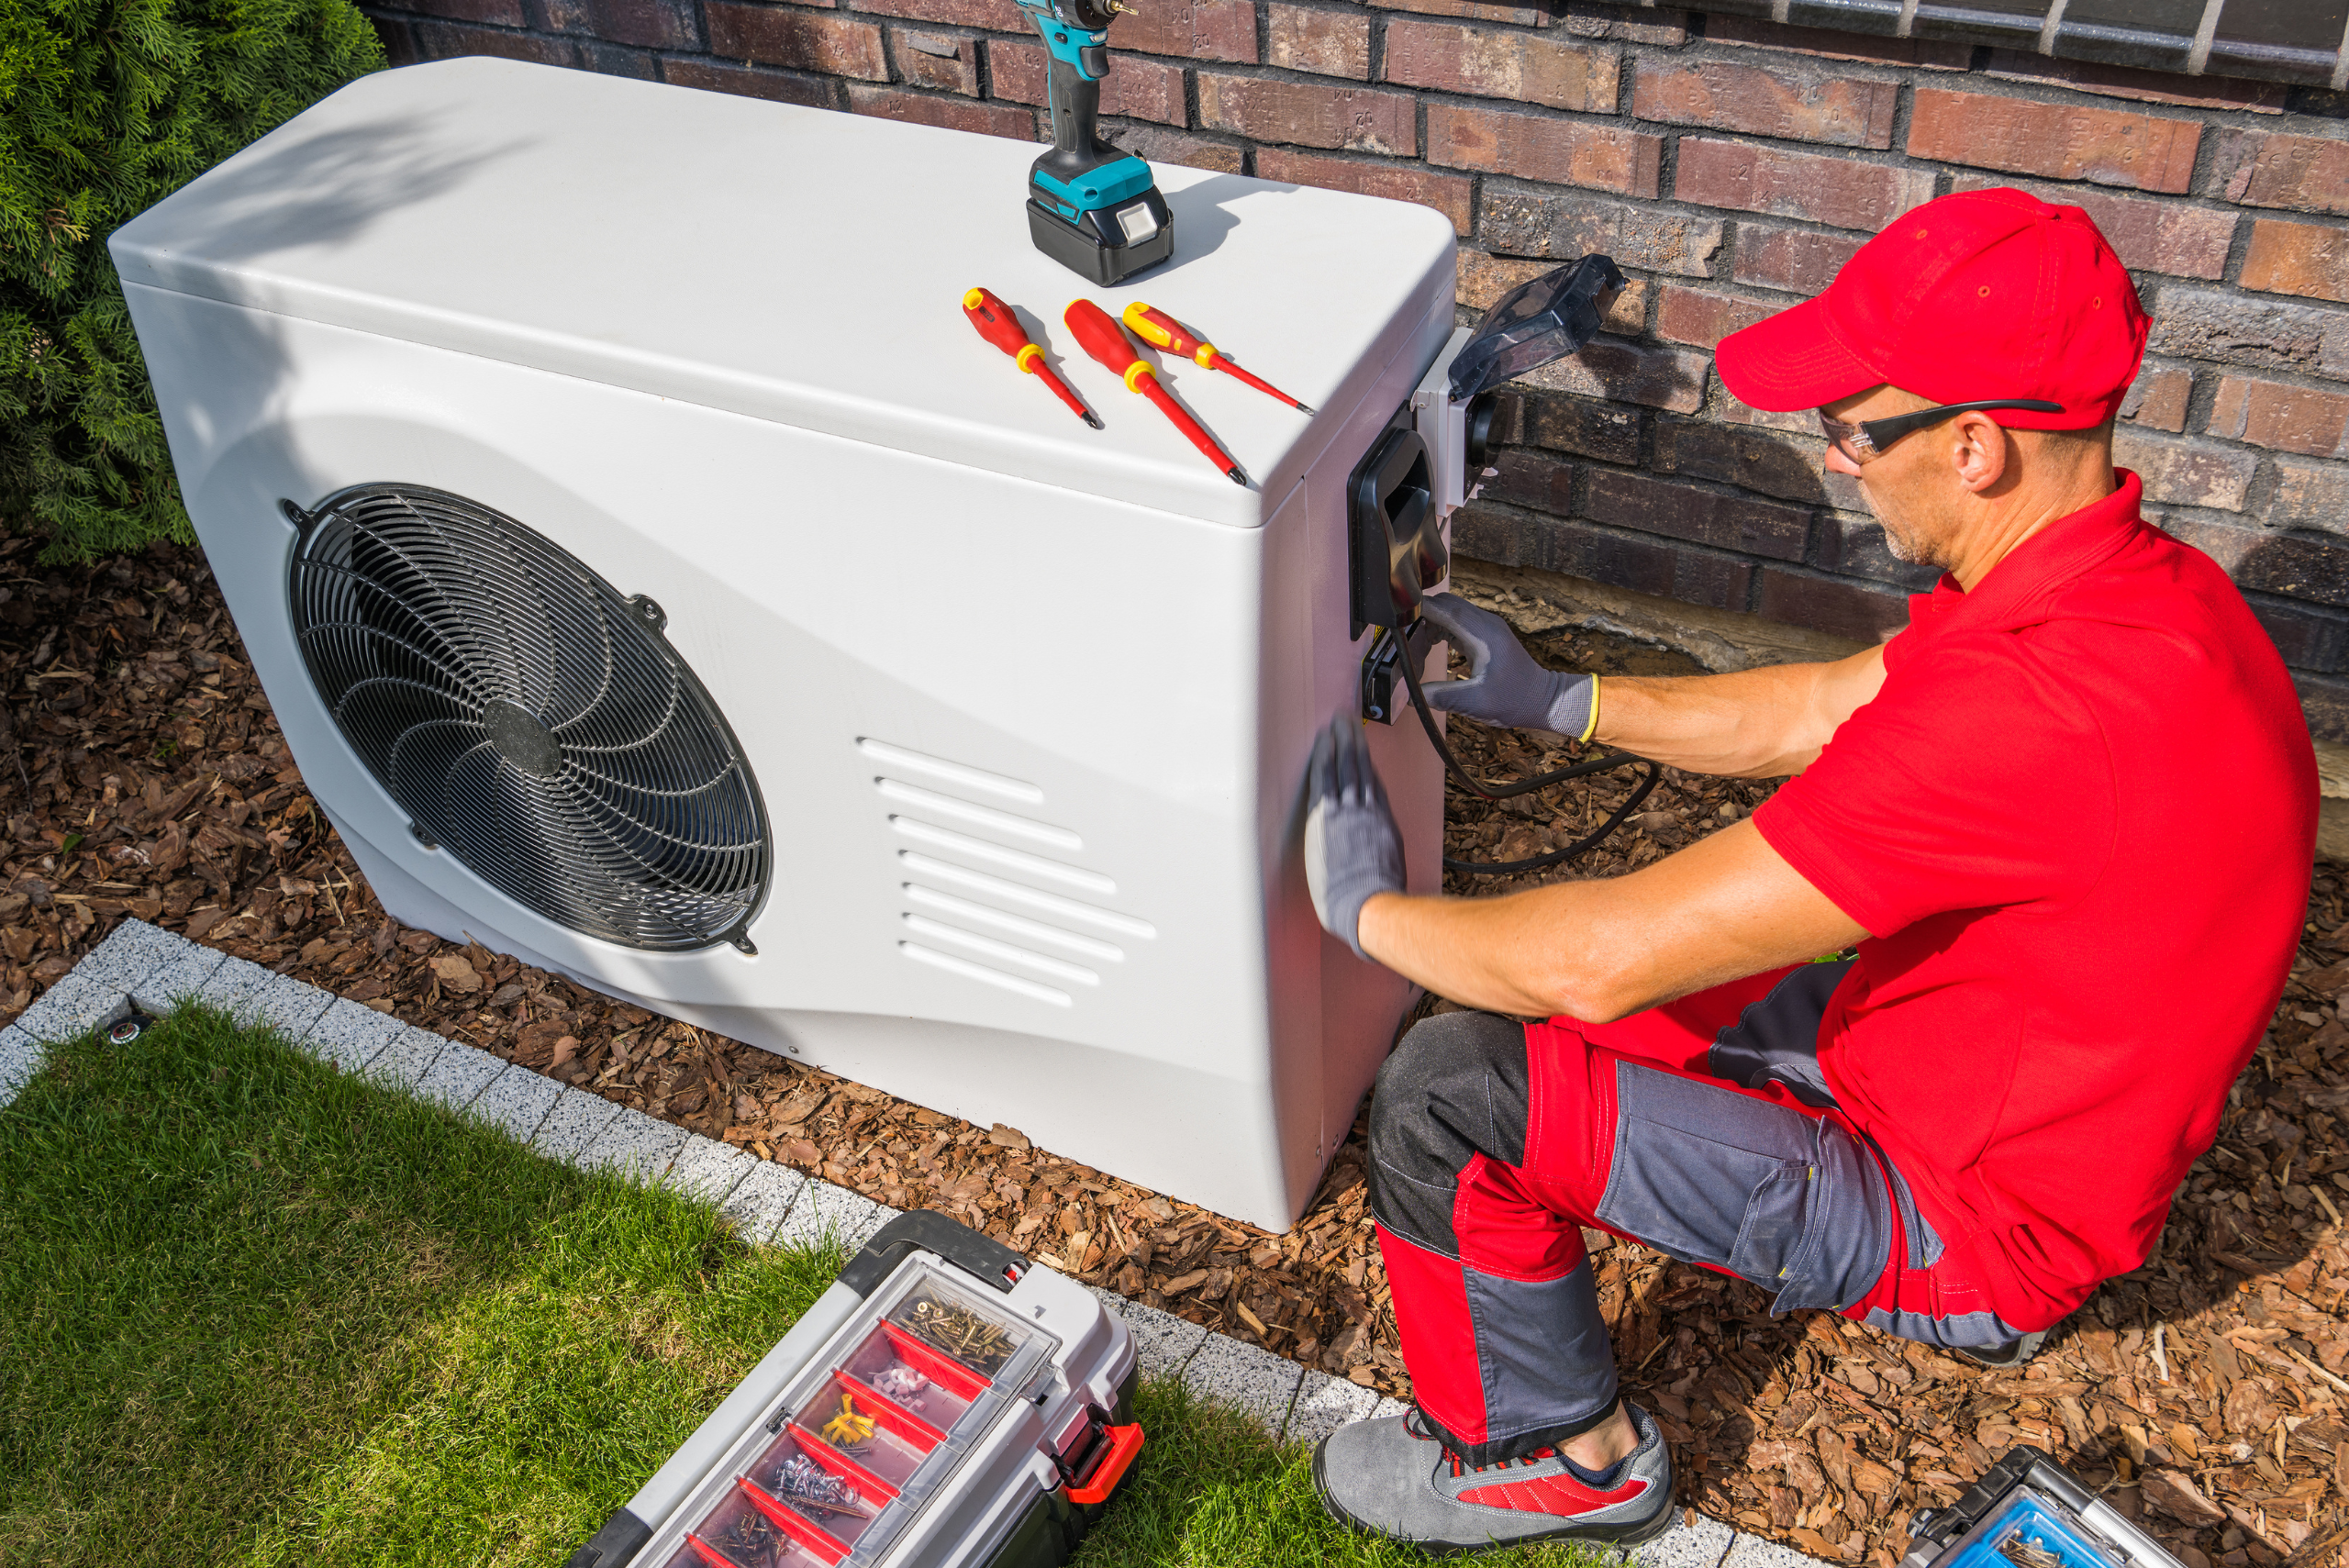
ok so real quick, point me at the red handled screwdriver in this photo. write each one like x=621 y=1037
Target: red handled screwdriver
x=999 y=326
x=1162 y=331
x=1097 y=331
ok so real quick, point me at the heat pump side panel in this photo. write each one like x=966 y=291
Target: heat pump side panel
x=882 y=630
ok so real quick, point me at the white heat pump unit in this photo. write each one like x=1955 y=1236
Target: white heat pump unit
x=658 y=580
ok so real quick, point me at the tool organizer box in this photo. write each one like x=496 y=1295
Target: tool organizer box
x=945 y=1402
x=2027 y=1511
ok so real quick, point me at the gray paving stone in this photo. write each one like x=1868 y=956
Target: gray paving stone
x=828 y=1212
x=176 y=982
x=762 y=1201
x=516 y=1101
x=1164 y=1343
x=458 y=1075
x=290 y=1006
x=350 y=1036
x=233 y=985
x=132 y=950
x=1386 y=1407
x=20 y=1057
x=708 y=1170
x=573 y=1124
x=1752 y=1551
x=407 y=1057
x=633 y=1145
x=1700 y=1545
x=1245 y=1377
x=74 y=1005
x=1323 y=1404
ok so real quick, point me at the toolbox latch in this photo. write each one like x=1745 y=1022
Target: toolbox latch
x=1099 y=1459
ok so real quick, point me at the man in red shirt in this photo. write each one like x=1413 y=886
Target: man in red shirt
x=2065 y=819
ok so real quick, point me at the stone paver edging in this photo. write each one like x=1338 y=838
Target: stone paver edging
x=155 y=969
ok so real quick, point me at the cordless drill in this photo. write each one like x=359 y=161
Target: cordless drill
x=1094 y=209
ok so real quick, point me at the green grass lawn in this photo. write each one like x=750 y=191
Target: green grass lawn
x=253 y=1311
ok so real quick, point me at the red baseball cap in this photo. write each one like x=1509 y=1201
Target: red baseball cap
x=1981 y=295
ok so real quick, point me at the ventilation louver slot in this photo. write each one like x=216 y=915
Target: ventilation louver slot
x=531 y=720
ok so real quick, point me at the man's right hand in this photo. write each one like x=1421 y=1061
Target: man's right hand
x=1504 y=685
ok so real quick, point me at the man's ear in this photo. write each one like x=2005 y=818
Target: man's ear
x=1979 y=451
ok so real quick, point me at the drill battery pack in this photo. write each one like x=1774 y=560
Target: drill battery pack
x=2027 y=1511
x=945 y=1403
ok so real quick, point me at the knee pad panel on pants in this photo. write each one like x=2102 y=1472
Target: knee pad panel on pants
x=1455 y=1087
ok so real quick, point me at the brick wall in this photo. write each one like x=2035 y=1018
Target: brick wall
x=1730 y=165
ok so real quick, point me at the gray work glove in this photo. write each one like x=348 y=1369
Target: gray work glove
x=1351 y=846
x=1504 y=685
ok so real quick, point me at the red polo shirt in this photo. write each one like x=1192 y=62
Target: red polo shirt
x=2079 y=821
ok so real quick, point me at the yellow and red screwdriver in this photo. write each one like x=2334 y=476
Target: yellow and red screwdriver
x=1162 y=331
x=1097 y=331
x=999 y=326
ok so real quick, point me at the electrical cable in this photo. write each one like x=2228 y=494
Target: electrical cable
x=1527 y=786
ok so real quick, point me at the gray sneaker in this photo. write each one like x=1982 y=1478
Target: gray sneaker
x=1393 y=1478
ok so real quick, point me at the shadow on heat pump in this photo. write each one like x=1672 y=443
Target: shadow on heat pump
x=530 y=721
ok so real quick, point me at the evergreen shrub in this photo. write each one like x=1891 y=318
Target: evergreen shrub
x=106 y=106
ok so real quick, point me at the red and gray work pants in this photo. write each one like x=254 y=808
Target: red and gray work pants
x=1703 y=1128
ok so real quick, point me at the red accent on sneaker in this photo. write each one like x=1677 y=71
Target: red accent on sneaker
x=1560 y=1495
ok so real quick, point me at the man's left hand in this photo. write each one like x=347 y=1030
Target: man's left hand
x=1352 y=848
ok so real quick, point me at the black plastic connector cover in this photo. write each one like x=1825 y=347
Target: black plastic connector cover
x=622 y=1537
x=926 y=1230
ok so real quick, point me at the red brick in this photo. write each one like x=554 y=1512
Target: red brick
x=1134 y=89
x=2251 y=329
x=1658 y=25
x=1628 y=372
x=2264 y=168
x=1790 y=466
x=1795 y=260
x=1001 y=16
x=1472 y=11
x=1448 y=194
x=2158 y=398
x=447 y=40
x=2275 y=414
x=1329 y=43
x=1307 y=115
x=2310 y=495
x=494 y=13
x=1702 y=517
x=1836 y=605
x=815 y=92
x=1535 y=479
x=1189 y=29
x=399 y=39
x=1578 y=425
x=933 y=60
x=2059 y=141
x=1841 y=192
x=1639 y=561
x=2143 y=86
x=836 y=46
x=1556 y=152
x=1483 y=279
x=1829 y=44
x=955 y=114
x=1702 y=318
x=1157 y=144
x=1523 y=67
x=2185 y=474
x=1793 y=104
x=2147 y=234
x=644 y=24
x=2307 y=259
x=1565 y=225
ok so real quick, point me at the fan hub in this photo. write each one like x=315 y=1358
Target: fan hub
x=518 y=737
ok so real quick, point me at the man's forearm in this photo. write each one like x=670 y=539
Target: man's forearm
x=1766 y=723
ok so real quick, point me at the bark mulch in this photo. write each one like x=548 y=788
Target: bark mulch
x=144 y=776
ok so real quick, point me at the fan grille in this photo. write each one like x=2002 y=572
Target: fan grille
x=529 y=718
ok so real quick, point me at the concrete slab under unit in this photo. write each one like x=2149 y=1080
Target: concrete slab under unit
x=761 y=1200
x=458 y=1075
x=1244 y=1377
x=633 y=1145
x=176 y=982
x=290 y=1006
x=825 y=1212
x=350 y=1036
x=708 y=1170
x=571 y=1124
x=1323 y=1404
x=407 y=1057
x=20 y=1057
x=516 y=1101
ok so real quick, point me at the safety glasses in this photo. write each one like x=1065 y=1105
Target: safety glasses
x=1867 y=440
